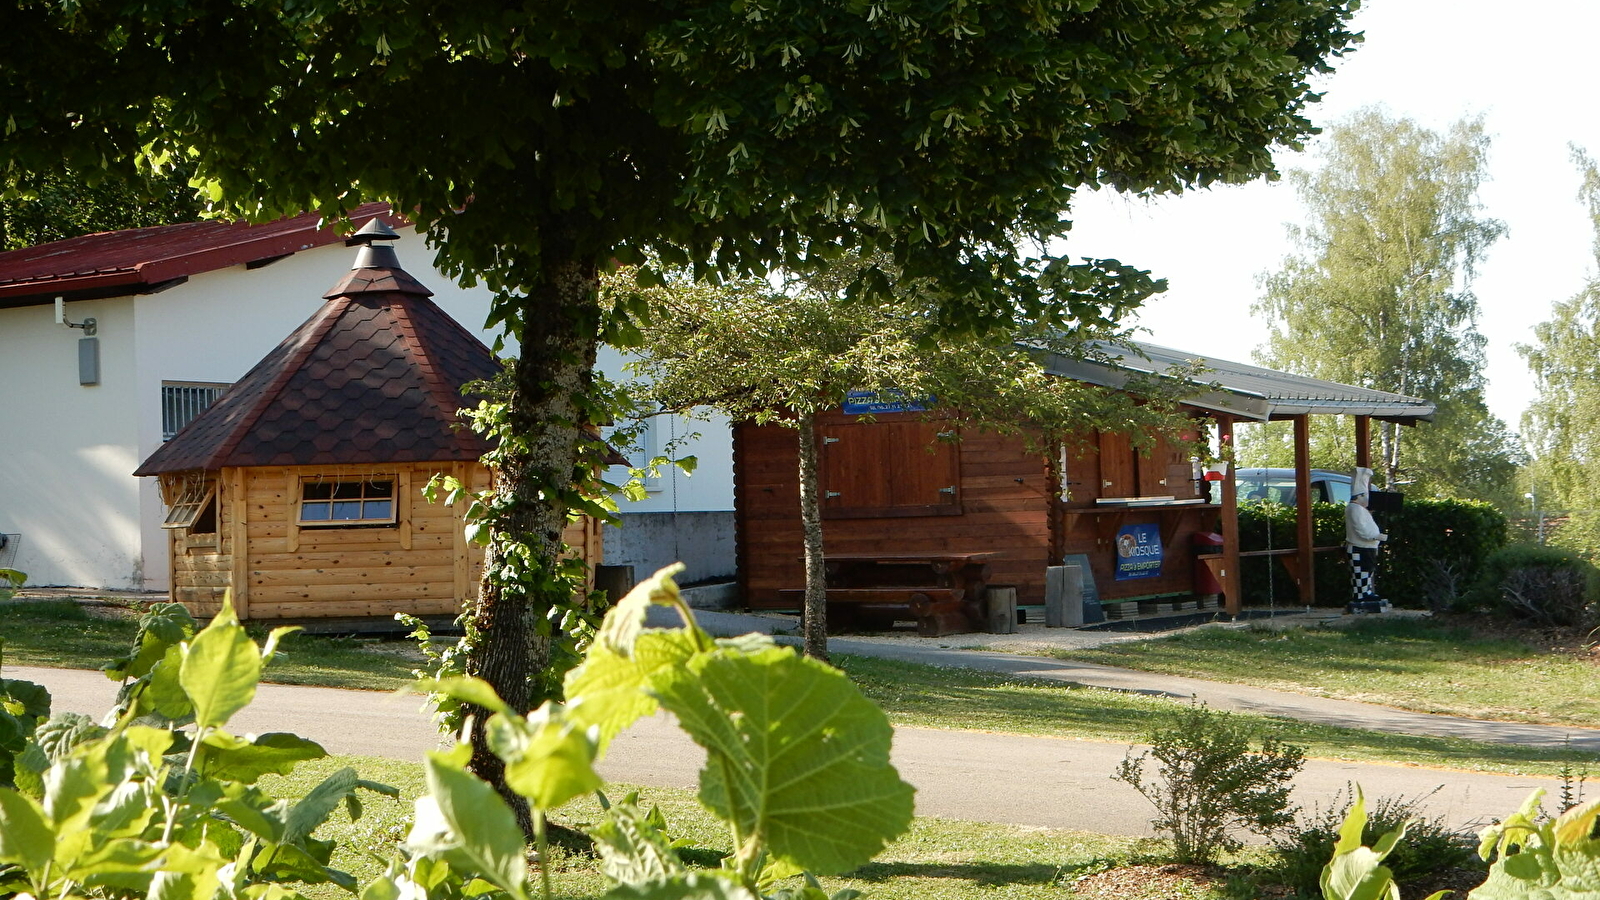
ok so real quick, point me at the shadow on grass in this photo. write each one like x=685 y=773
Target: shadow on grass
x=978 y=873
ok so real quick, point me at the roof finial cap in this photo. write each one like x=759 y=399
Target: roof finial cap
x=375 y=230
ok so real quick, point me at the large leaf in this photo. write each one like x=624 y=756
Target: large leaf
x=796 y=756
x=608 y=692
x=633 y=848
x=221 y=668
x=162 y=627
x=28 y=699
x=465 y=822
x=624 y=623
x=26 y=839
x=548 y=759
x=315 y=807
x=63 y=731
x=235 y=758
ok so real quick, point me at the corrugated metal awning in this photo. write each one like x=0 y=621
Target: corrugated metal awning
x=1246 y=391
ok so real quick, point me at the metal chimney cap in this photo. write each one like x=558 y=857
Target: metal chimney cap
x=374 y=230
x=376 y=256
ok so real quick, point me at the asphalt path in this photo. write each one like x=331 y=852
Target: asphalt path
x=972 y=775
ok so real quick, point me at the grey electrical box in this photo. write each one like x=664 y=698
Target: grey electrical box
x=89 y=360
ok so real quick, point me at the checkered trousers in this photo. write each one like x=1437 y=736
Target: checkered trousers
x=1363 y=568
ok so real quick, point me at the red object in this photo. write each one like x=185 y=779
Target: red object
x=1205 y=543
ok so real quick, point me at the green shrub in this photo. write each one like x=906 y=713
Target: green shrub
x=1546 y=586
x=1430 y=844
x=1433 y=555
x=1210 y=782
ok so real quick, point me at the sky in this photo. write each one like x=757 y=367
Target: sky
x=1528 y=68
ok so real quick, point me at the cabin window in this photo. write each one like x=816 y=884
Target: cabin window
x=331 y=503
x=195 y=507
x=884 y=469
x=181 y=401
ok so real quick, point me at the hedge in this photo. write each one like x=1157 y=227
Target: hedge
x=1433 y=555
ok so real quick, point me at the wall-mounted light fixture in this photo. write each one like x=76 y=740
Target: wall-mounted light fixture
x=88 y=345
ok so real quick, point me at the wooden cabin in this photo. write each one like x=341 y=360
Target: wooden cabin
x=907 y=509
x=300 y=489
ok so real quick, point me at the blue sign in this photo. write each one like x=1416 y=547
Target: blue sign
x=868 y=403
x=1138 y=552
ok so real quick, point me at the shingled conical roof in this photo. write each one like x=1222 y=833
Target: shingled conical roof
x=374 y=376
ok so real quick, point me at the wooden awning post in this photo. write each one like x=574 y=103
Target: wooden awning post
x=1364 y=442
x=1304 y=539
x=1233 y=600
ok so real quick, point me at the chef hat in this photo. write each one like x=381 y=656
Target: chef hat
x=1361 y=482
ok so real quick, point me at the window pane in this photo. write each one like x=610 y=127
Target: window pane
x=317 y=490
x=346 y=510
x=347 y=490
x=314 y=512
x=377 y=509
x=379 y=489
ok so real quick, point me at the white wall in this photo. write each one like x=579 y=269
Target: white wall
x=67 y=452
x=710 y=487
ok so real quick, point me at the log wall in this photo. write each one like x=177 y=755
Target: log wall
x=421 y=565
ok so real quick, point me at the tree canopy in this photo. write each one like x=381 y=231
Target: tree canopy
x=753 y=351
x=54 y=206
x=1562 y=424
x=1381 y=297
x=539 y=142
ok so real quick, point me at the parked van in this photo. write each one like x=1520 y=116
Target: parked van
x=1260 y=485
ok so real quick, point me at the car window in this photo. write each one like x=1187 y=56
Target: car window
x=1338 y=491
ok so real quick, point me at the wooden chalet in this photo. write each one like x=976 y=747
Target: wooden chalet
x=300 y=489
x=912 y=520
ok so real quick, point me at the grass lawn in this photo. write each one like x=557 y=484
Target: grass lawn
x=967 y=699
x=938 y=859
x=64 y=634
x=1410 y=663
x=60 y=633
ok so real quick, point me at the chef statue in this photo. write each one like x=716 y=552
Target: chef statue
x=1361 y=539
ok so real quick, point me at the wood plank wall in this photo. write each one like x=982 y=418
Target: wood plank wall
x=1004 y=492
x=422 y=566
x=1108 y=466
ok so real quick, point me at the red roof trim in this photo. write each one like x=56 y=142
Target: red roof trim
x=121 y=263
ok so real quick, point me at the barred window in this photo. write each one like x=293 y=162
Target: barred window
x=181 y=401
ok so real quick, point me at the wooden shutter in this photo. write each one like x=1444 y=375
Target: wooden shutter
x=1117 y=476
x=881 y=469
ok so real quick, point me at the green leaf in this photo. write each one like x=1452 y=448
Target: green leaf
x=466 y=823
x=796 y=756
x=234 y=758
x=26 y=839
x=608 y=690
x=270 y=648
x=548 y=759
x=633 y=849
x=319 y=803
x=34 y=699
x=221 y=669
x=465 y=688
x=625 y=622
x=63 y=731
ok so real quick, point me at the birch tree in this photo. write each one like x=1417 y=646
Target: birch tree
x=1380 y=296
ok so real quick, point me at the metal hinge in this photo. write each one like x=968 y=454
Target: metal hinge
x=830 y=495
x=830 y=440
x=951 y=490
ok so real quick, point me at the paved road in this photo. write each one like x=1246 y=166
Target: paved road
x=981 y=776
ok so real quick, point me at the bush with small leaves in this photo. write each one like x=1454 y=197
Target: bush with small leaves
x=1210 y=782
x=1544 y=586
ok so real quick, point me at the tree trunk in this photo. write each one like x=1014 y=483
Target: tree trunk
x=814 y=617
x=520 y=587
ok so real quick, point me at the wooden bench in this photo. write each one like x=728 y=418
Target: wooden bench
x=938 y=611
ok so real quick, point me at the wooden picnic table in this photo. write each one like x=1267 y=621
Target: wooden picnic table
x=942 y=590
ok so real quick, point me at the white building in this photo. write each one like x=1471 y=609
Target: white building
x=160 y=320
